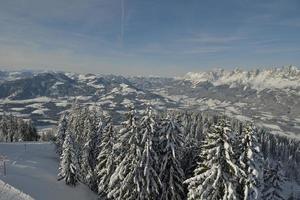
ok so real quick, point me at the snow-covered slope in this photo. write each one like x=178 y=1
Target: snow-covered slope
x=285 y=77
x=269 y=97
x=41 y=97
x=33 y=167
x=7 y=192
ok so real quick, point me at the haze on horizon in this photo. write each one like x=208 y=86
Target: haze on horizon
x=139 y=37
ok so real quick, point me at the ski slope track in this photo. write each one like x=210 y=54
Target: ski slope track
x=32 y=168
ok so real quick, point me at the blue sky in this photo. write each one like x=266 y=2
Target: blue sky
x=148 y=37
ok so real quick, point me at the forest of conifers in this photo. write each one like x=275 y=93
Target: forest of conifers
x=174 y=155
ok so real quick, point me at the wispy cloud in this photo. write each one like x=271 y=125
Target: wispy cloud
x=122 y=20
x=135 y=37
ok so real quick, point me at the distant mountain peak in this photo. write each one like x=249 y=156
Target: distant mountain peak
x=279 y=78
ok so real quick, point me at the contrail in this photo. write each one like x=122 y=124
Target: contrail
x=122 y=20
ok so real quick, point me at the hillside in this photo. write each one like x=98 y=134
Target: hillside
x=269 y=97
x=11 y=193
x=43 y=96
x=34 y=171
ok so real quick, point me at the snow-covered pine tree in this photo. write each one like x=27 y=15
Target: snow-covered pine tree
x=149 y=182
x=171 y=172
x=251 y=161
x=186 y=119
x=33 y=132
x=61 y=133
x=21 y=128
x=76 y=120
x=4 y=129
x=217 y=175
x=292 y=169
x=90 y=151
x=123 y=183
x=105 y=160
x=79 y=115
x=13 y=129
x=191 y=146
x=193 y=131
x=273 y=181
x=68 y=164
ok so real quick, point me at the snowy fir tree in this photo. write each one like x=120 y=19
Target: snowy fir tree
x=124 y=181
x=273 y=182
x=217 y=175
x=171 y=172
x=3 y=129
x=293 y=169
x=148 y=183
x=105 y=160
x=77 y=119
x=90 y=152
x=68 y=164
x=61 y=133
x=251 y=161
x=191 y=145
x=15 y=129
x=151 y=157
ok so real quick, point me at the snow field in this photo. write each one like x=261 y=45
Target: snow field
x=33 y=168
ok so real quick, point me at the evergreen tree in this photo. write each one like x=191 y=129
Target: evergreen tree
x=292 y=169
x=149 y=182
x=191 y=146
x=273 y=181
x=61 y=133
x=14 y=129
x=90 y=152
x=124 y=181
x=68 y=164
x=106 y=165
x=251 y=160
x=4 y=129
x=33 y=134
x=171 y=172
x=216 y=176
x=77 y=119
x=11 y=128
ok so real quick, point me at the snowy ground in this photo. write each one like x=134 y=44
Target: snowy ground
x=34 y=171
x=7 y=192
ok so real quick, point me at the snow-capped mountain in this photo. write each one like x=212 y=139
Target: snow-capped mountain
x=43 y=96
x=13 y=75
x=285 y=77
x=269 y=97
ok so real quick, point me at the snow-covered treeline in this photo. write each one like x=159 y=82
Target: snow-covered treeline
x=284 y=149
x=172 y=155
x=13 y=129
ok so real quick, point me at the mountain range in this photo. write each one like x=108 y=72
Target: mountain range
x=268 y=97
